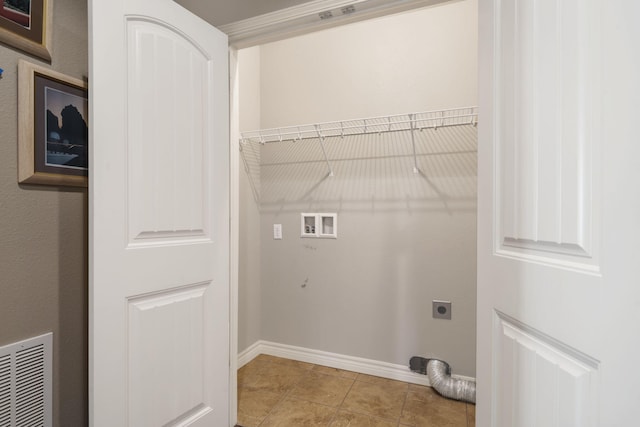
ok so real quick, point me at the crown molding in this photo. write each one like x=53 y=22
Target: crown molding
x=305 y=18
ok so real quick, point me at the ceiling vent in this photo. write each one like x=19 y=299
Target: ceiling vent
x=348 y=10
x=25 y=383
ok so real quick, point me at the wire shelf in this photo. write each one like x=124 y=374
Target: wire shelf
x=372 y=125
x=467 y=116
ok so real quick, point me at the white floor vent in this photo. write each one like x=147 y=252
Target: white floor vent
x=25 y=383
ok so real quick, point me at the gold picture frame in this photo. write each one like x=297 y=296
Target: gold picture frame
x=52 y=127
x=26 y=25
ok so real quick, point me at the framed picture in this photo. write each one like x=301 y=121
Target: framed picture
x=26 y=25
x=52 y=127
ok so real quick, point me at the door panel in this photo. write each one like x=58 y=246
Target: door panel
x=545 y=141
x=539 y=380
x=159 y=217
x=168 y=120
x=558 y=211
x=172 y=360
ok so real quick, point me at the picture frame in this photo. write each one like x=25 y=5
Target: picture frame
x=26 y=25
x=52 y=127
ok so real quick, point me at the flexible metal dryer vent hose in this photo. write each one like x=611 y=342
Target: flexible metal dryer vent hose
x=440 y=378
x=439 y=373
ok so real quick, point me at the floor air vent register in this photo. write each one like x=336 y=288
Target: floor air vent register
x=25 y=383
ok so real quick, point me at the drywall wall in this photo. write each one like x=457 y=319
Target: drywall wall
x=404 y=239
x=43 y=235
x=416 y=61
x=249 y=292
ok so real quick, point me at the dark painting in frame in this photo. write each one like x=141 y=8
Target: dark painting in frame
x=52 y=128
x=26 y=25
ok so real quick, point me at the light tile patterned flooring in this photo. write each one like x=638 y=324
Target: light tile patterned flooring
x=286 y=393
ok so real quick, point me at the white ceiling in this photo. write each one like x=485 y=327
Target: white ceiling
x=221 y=12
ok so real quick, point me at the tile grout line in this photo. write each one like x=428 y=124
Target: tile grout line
x=342 y=403
x=466 y=414
x=284 y=395
x=404 y=403
x=336 y=408
x=355 y=380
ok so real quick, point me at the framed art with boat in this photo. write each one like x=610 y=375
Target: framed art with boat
x=52 y=127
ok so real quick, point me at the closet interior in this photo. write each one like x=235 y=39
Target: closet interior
x=369 y=128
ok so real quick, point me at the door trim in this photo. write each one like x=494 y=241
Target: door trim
x=267 y=28
x=234 y=231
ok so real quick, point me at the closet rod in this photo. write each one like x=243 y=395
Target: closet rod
x=372 y=125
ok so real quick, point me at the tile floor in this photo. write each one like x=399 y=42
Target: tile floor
x=287 y=393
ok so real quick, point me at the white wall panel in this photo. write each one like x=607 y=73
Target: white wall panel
x=166 y=348
x=168 y=142
x=538 y=378
x=546 y=147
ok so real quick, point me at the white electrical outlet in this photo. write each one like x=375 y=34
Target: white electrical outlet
x=277 y=231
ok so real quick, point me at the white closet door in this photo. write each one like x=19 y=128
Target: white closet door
x=159 y=217
x=559 y=213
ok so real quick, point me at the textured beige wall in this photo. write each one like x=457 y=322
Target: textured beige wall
x=43 y=235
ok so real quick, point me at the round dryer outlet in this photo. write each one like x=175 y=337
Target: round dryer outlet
x=442 y=309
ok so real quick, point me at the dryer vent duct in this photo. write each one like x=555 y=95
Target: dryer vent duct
x=439 y=373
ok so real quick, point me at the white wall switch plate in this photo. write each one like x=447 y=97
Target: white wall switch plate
x=277 y=231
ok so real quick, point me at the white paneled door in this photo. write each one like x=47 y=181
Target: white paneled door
x=559 y=213
x=159 y=217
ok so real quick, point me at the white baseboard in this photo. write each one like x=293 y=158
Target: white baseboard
x=250 y=353
x=334 y=360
